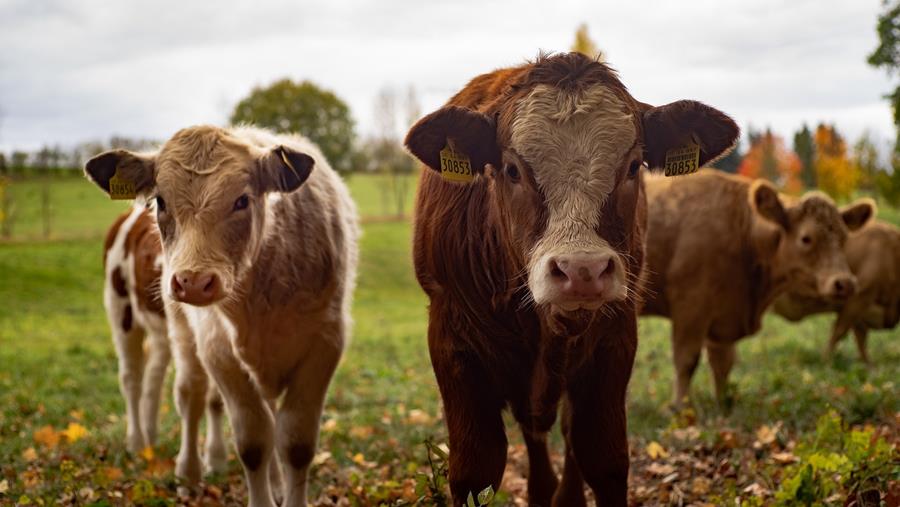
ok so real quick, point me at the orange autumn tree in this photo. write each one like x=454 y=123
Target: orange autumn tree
x=769 y=158
x=836 y=174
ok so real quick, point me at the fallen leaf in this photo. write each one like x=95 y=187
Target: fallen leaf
x=660 y=469
x=29 y=454
x=361 y=432
x=785 y=457
x=417 y=416
x=4 y=486
x=74 y=432
x=656 y=451
x=330 y=425
x=112 y=473
x=756 y=490
x=700 y=486
x=359 y=459
x=147 y=453
x=77 y=414
x=766 y=434
x=320 y=458
x=47 y=436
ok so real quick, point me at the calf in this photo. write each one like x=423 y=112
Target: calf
x=720 y=248
x=873 y=254
x=533 y=263
x=132 y=259
x=259 y=238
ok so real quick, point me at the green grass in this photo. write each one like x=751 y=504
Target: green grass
x=57 y=366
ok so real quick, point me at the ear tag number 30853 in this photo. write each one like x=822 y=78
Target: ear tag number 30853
x=121 y=188
x=683 y=160
x=455 y=166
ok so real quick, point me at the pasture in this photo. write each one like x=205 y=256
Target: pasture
x=796 y=420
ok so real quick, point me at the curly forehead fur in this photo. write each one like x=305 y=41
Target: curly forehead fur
x=202 y=149
x=818 y=207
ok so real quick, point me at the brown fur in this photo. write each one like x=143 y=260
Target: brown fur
x=873 y=254
x=720 y=248
x=490 y=346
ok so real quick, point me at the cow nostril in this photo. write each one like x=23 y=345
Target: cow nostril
x=839 y=286
x=176 y=285
x=556 y=271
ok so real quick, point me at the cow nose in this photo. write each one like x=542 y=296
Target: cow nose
x=582 y=276
x=843 y=287
x=195 y=288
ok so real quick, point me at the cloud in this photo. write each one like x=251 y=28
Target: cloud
x=77 y=70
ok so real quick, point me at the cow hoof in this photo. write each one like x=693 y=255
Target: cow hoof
x=216 y=460
x=187 y=469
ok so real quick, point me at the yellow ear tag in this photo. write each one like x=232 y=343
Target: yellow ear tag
x=683 y=160
x=121 y=188
x=455 y=165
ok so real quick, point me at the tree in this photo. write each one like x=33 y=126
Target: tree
x=865 y=159
x=584 y=45
x=887 y=54
x=385 y=153
x=835 y=173
x=768 y=158
x=805 y=149
x=730 y=163
x=304 y=108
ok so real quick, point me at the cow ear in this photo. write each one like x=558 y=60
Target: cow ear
x=135 y=172
x=764 y=199
x=858 y=213
x=468 y=132
x=683 y=122
x=284 y=169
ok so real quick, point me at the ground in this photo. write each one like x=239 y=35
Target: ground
x=801 y=429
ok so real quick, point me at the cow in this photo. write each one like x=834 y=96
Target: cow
x=140 y=326
x=721 y=248
x=873 y=254
x=259 y=240
x=533 y=266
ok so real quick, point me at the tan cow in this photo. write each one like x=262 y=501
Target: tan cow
x=260 y=244
x=720 y=248
x=873 y=253
x=132 y=258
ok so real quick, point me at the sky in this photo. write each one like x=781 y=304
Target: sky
x=82 y=70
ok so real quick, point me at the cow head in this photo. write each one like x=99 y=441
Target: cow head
x=561 y=150
x=210 y=191
x=810 y=239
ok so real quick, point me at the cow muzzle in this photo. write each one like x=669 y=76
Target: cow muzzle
x=198 y=289
x=840 y=287
x=580 y=281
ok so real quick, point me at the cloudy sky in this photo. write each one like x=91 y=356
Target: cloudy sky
x=77 y=70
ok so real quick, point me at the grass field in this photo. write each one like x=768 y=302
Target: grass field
x=62 y=434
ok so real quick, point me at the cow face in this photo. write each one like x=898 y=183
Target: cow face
x=562 y=153
x=811 y=242
x=210 y=192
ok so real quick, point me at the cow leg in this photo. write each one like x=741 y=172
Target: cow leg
x=276 y=479
x=861 y=334
x=542 y=481
x=838 y=332
x=158 y=360
x=597 y=434
x=215 y=456
x=250 y=416
x=297 y=426
x=721 y=359
x=191 y=383
x=571 y=489
x=130 y=349
x=687 y=344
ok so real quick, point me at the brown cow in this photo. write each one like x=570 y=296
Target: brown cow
x=259 y=237
x=533 y=268
x=873 y=253
x=132 y=259
x=720 y=248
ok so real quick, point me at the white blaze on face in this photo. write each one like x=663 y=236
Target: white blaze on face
x=575 y=143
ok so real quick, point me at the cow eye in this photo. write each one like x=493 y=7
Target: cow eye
x=806 y=240
x=512 y=171
x=160 y=204
x=634 y=168
x=241 y=203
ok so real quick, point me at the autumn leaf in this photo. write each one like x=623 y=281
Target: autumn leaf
x=77 y=414
x=4 y=486
x=74 y=432
x=417 y=416
x=112 y=474
x=656 y=451
x=47 y=436
x=330 y=425
x=361 y=432
x=29 y=454
x=147 y=453
x=359 y=459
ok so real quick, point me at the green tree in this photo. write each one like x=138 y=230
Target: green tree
x=304 y=108
x=865 y=158
x=805 y=148
x=585 y=45
x=887 y=54
x=730 y=163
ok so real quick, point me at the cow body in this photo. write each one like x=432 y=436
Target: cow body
x=720 y=248
x=141 y=329
x=533 y=268
x=260 y=243
x=873 y=254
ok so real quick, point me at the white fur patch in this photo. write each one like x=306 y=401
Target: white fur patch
x=575 y=143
